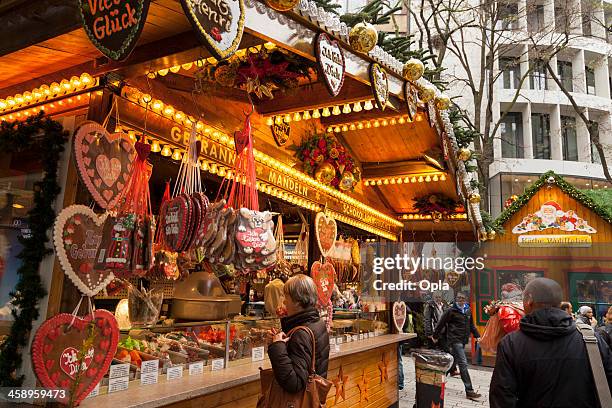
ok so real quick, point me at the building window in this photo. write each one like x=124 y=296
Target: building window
x=537 y=79
x=508 y=17
x=590 y=80
x=540 y=129
x=535 y=18
x=512 y=135
x=564 y=68
x=511 y=72
x=594 y=153
x=568 y=133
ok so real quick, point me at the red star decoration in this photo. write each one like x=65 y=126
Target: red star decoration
x=363 y=387
x=339 y=383
x=382 y=367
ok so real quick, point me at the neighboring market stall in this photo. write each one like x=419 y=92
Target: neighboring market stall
x=194 y=178
x=552 y=230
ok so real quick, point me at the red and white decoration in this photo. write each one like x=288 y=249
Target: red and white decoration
x=551 y=215
x=323 y=276
x=331 y=63
x=399 y=315
x=326 y=231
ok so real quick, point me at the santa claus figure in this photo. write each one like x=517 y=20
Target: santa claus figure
x=505 y=316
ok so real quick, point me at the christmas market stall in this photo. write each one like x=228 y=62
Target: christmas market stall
x=182 y=159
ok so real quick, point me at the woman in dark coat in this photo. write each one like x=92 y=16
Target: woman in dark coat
x=291 y=357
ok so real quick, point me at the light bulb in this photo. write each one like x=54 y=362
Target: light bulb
x=376 y=124
x=168 y=111
x=157 y=105
x=178 y=116
x=330 y=129
x=44 y=89
x=65 y=84
x=401 y=120
x=368 y=106
x=393 y=121
x=155 y=147
x=3 y=104
x=368 y=125
x=316 y=114
x=86 y=79
x=428 y=179
x=27 y=96
x=297 y=117
x=151 y=75
x=75 y=81
x=346 y=108
x=287 y=118
x=337 y=129
x=367 y=182
x=400 y=181
x=187 y=66
x=336 y=110
x=384 y=122
x=443 y=177
x=420 y=179
x=269 y=121
x=176 y=155
x=278 y=120
x=326 y=112
x=357 y=107
x=37 y=94
x=131 y=135
x=360 y=125
x=204 y=166
x=352 y=127
x=379 y=183
x=146 y=99
x=435 y=177
x=306 y=115
x=175 y=69
x=163 y=72
x=413 y=179
x=386 y=182
x=419 y=117
x=19 y=99
x=344 y=128
x=166 y=151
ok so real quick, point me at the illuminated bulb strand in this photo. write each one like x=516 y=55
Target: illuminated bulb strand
x=47 y=92
x=458 y=216
x=325 y=111
x=368 y=124
x=58 y=105
x=159 y=108
x=423 y=178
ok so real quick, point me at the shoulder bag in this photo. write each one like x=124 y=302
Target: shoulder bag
x=599 y=375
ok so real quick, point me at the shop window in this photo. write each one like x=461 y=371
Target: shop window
x=511 y=72
x=590 y=80
x=564 y=70
x=512 y=135
x=540 y=130
x=568 y=133
x=592 y=289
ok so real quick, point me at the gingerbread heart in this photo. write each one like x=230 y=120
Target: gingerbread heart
x=77 y=233
x=323 y=276
x=326 y=231
x=331 y=63
x=105 y=157
x=399 y=315
x=175 y=216
x=59 y=362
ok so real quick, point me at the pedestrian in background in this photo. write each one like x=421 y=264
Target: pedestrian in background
x=585 y=315
x=545 y=362
x=431 y=316
x=567 y=308
x=606 y=330
x=457 y=323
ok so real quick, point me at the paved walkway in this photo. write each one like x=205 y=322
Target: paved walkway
x=455 y=392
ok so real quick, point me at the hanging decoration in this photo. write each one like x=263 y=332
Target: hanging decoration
x=76 y=235
x=328 y=161
x=127 y=238
x=411 y=96
x=47 y=138
x=464 y=154
x=165 y=265
x=330 y=59
x=436 y=205
x=282 y=5
x=380 y=85
x=323 y=276
x=363 y=37
x=299 y=258
x=510 y=200
x=114 y=27
x=443 y=102
x=104 y=162
x=399 y=316
x=74 y=353
x=218 y=23
x=281 y=132
x=326 y=231
x=413 y=69
x=260 y=72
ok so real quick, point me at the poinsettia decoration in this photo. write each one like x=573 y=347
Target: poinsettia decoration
x=328 y=161
x=437 y=205
x=259 y=71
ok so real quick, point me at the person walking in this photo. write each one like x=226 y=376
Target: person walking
x=291 y=356
x=458 y=324
x=606 y=330
x=585 y=315
x=545 y=362
x=431 y=315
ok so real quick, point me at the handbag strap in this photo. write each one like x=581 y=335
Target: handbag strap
x=314 y=343
x=599 y=376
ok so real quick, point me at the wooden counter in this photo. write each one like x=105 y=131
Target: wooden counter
x=238 y=386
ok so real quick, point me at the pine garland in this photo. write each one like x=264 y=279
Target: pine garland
x=46 y=137
x=566 y=187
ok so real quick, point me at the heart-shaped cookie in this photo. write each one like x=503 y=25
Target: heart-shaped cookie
x=331 y=63
x=380 y=85
x=103 y=161
x=326 y=231
x=56 y=352
x=399 y=315
x=323 y=276
x=175 y=216
x=126 y=18
x=77 y=233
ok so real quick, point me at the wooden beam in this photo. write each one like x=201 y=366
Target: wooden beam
x=383 y=199
x=183 y=83
x=314 y=96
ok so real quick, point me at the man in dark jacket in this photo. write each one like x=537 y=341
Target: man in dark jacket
x=545 y=362
x=432 y=314
x=458 y=324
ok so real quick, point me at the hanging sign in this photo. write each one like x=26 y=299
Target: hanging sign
x=326 y=231
x=411 y=96
x=281 y=132
x=103 y=161
x=219 y=24
x=380 y=85
x=551 y=215
x=77 y=234
x=323 y=276
x=60 y=358
x=331 y=63
x=114 y=26
x=555 y=241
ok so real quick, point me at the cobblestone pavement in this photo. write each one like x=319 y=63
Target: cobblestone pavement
x=454 y=390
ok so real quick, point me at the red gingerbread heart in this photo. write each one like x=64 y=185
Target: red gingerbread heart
x=399 y=315
x=323 y=276
x=65 y=350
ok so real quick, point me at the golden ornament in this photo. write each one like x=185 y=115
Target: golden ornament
x=225 y=75
x=347 y=181
x=413 y=69
x=443 y=102
x=491 y=235
x=427 y=93
x=357 y=174
x=363 y=37
x=333 y=153
x=482 y=235
x=474 y=198
x=319 y=158
x=464 y=154
x=325 y=173
x=282 y=5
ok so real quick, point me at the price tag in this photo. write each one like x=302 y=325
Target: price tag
x=371 y=334
x=149 y=366
x=119 y=370
x=95 y=392
x=257 y=354
x=360 y=336
x=118 y=384
x=148 y=378
x=196 y=368
x=217 y=364
x=174 y=372
x=339 y=340
x=349 y=338
x=355 y=337
x=337 y=348
x=332 y=341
